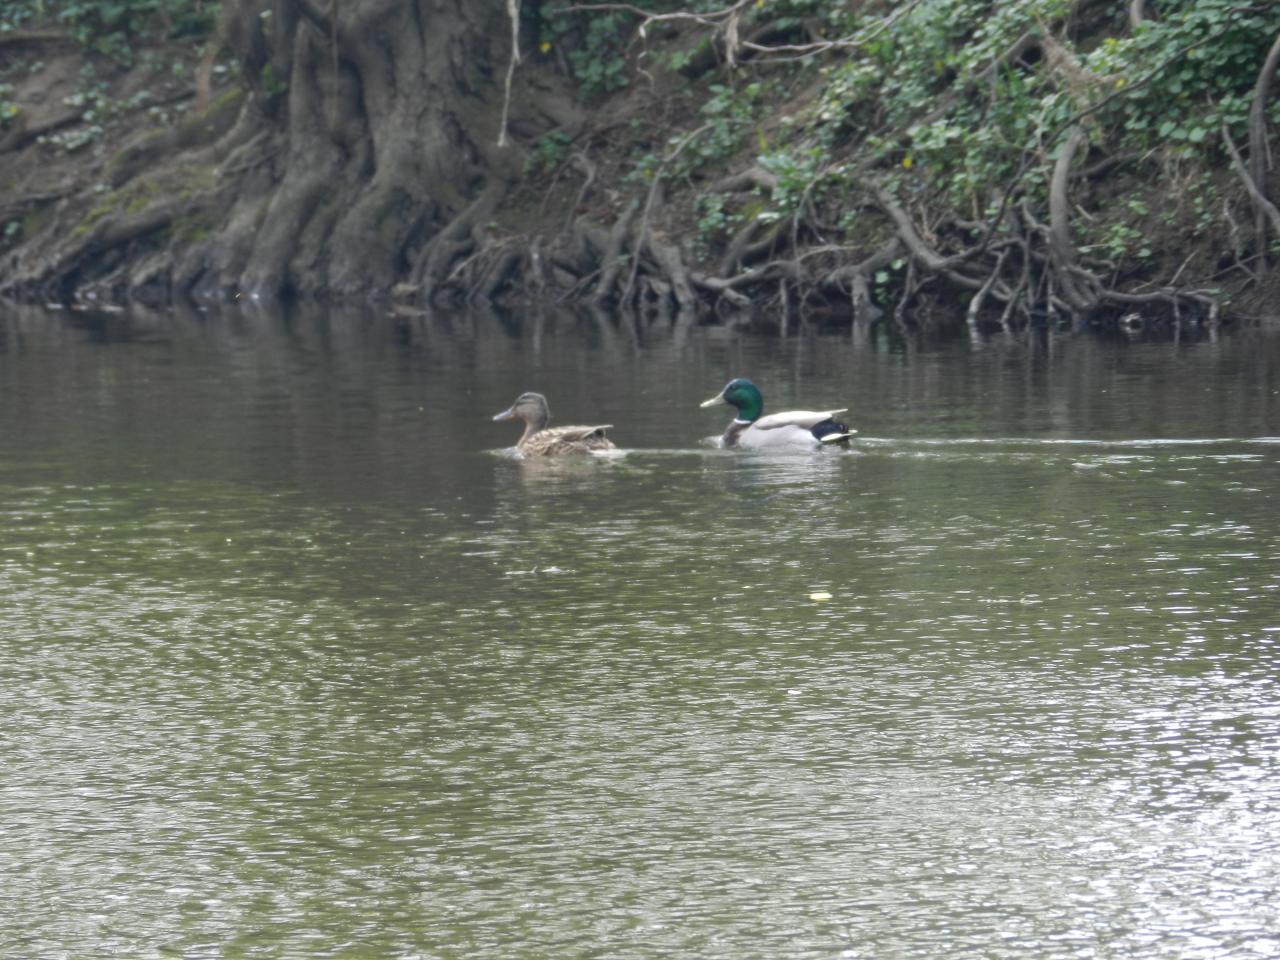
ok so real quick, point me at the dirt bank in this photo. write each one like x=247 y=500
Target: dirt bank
x=747 y=160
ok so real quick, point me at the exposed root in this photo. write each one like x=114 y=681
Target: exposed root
x=979 y=298
x=55 y=273
x=22 y=134
x=727 y=289
x=1079 y=287
x=855 y=278
x=454 y=240
x=611 y=259
x=668 y=260
x=1264 y=206
x=1259 y=152
x=753 y=242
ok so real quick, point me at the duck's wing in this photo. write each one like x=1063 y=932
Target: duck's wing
x=805 y=419
x=576 y=434
x=555 y=441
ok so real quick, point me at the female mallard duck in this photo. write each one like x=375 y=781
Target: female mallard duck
x=804 y=429
x=539 y=440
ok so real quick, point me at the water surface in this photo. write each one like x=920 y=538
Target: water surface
x=301 y=662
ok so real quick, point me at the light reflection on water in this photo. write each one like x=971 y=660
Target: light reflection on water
x=436 y=702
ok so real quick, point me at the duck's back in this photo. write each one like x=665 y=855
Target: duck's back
x=557 y=441
x=804 y=419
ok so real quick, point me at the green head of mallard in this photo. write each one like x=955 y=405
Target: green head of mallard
x=744 y=396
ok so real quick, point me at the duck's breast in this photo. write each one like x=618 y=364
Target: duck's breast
x=777 y=438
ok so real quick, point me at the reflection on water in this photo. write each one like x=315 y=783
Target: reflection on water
x=301 y=664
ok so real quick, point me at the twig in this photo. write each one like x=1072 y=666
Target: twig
x=513 y=12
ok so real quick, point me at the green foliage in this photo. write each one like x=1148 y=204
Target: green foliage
x=1118 y=241
x=272 y=83
x=714 y=220
x=1213 y=50
x=8 y=109
x=111 y=27
x=963 y=98
x=594 y=46
x=886 y=281
x=729 y=115
x=601 y=67
x=99 y=109
x=94 y=98
x=549 y=151
x=938 y=98
x=797 y=172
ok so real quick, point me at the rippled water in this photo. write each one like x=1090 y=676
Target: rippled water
x=300 y=662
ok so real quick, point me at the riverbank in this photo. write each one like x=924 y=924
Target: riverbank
x=935 y=163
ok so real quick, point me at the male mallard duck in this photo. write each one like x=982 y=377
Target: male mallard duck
x=539 y=440
x=793 y=428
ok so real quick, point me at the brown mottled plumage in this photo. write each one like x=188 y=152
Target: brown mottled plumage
x=539 y=440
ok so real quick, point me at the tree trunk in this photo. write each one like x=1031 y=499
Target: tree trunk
x=393 y=119
x=370 y=125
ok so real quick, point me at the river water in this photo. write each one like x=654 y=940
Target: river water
x=299 y=661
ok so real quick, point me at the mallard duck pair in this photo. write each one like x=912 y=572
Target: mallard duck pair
x=792 y=429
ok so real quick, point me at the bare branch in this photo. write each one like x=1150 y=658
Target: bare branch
x=751 y=177
x=1264 y=206
x=916 y=245
x=727 y=19
x=854 y=40
x=648 y=16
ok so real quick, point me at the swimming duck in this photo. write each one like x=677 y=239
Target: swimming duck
x=793 y=428
x=539 y=440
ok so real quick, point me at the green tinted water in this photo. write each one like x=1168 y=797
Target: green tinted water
x=301 y=662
